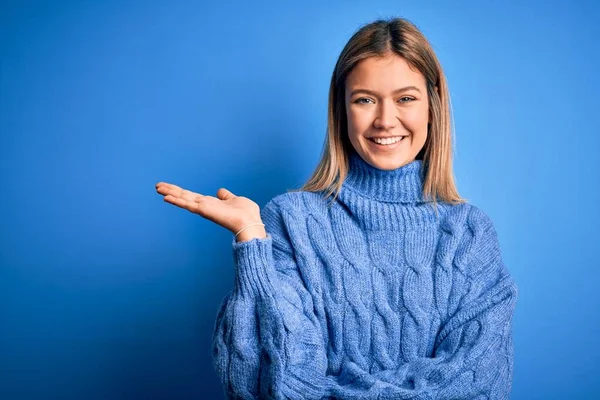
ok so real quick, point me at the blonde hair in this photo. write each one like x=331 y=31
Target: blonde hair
x=378 y=39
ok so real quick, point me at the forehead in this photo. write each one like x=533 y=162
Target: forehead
x=384 y=74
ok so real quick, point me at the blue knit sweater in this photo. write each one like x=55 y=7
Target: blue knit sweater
x=373 y=297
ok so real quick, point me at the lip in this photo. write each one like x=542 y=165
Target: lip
x=386 y=137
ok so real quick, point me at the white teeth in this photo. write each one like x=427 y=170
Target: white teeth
x=388 y=140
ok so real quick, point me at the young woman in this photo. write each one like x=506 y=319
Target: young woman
x=375 y=280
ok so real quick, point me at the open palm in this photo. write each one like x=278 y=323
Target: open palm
x=228 y=210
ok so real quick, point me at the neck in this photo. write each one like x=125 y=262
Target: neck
x=400 y=185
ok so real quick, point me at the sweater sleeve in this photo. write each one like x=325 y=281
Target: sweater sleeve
x=266 y=327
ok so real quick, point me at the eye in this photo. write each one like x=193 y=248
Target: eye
x=360 y=100
x=406 y=98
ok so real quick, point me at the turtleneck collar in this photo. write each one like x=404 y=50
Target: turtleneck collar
x=401 y=185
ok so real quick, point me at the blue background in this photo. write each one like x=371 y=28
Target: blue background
x=108 y=292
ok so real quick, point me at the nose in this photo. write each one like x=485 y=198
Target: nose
x=387 y=115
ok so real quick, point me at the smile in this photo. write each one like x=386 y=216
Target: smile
x=387 y=141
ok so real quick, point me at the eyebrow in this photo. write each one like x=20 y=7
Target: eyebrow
x=400 y=90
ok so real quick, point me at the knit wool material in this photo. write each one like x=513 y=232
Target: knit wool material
x=373 y=297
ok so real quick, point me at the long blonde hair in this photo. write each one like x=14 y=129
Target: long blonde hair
x=377 y=39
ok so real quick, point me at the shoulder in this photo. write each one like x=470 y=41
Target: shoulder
x=296 y=203
x=467 y=216
x=474 y=233
x=285 y=214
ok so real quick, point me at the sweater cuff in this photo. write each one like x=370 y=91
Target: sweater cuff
x=254 y=266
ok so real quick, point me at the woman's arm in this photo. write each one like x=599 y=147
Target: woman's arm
x=266 y=327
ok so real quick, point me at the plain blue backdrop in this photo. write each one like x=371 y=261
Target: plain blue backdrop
x=108 y=292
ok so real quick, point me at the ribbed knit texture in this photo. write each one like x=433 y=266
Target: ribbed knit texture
x=373 y=297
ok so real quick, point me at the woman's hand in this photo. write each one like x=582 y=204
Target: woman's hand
x=228 y=210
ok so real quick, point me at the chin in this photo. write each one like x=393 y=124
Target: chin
x=388 y=164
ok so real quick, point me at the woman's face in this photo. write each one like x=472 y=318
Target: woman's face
x=386 y=99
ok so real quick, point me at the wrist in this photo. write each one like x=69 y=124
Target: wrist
x=252 y=232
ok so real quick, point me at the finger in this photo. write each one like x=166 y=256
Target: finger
x=165 y=184
x=208 y=207
x=163 y=187
x=190 y=205
x=225 y=194
x=189 y=195
x=168 y=186
x=177 y=192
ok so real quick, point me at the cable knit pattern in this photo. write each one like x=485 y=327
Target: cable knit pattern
x=375 y=296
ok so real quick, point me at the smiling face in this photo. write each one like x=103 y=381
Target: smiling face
x=388 y=111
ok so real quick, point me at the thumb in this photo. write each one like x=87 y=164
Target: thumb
x=224 y=194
